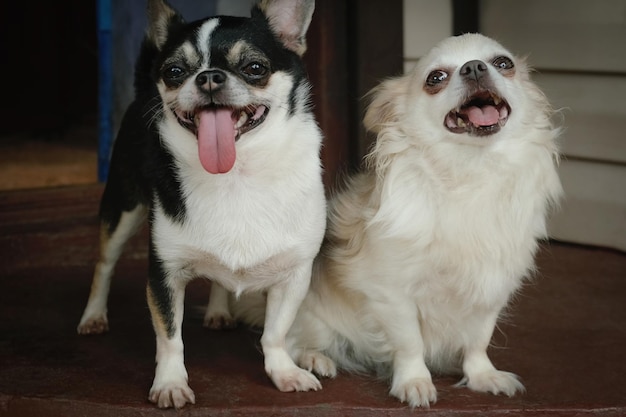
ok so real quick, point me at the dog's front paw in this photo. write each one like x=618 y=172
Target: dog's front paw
x=294 y=379
x=318 y=363
x=417 y=392
x=495 y=382
x=171 y=394
x=93 y=325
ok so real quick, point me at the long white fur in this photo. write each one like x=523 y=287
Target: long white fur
x=426 y=247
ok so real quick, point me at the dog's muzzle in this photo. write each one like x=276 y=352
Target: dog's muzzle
x=244 y=119
x=484 y=112
x=217 y=129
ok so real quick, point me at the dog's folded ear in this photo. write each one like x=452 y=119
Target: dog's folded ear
x=289 y=20
x=384 y=108
x=161 y=16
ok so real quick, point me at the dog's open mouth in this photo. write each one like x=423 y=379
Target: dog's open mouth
x=244 y=119
x=217 y=129
x=483 y=114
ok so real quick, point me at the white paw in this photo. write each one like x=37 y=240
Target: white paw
x=417 y=392
x=171 y=394
x=318 y=363
x=294 y=379
x=93 y=325
x=219 y=321
x=495 y=382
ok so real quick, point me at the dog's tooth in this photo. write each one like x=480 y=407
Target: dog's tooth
x=243 y=118
x=460 y=122
x=496 y=99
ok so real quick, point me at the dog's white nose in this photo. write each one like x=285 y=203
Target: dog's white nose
x=475 y=69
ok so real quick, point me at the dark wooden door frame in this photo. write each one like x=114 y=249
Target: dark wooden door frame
x=465 y=16
x=353 y=45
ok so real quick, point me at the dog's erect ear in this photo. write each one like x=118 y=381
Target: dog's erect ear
x=289 y=20
x=383 y=108
x=161 y=16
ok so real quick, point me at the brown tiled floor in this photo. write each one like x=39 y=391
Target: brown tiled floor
x=566 y=335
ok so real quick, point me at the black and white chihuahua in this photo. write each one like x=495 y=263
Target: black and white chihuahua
x=221 y=149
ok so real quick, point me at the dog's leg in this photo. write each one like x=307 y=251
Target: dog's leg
x=318 y=363
x=479 y=372
x=166 y=298
x=308 y=338
x=218 y=315
x=283 y=301
x=411 y=381
x=94 y=319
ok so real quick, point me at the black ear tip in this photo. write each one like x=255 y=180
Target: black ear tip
x=256 y=12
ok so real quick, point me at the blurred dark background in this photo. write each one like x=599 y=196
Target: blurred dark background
x=49 y=52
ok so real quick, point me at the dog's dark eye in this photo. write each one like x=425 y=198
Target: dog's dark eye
x=254 y=70
x=503 y=63
x=436 y=77
x=173 y=73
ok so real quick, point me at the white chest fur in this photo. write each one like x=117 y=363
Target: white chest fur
x=244 y=227
x=465 y=239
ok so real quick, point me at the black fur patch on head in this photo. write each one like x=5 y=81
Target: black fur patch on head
x=255 y=32
x=159 y=171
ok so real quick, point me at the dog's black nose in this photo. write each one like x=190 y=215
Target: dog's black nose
x=210 y=80
x=475 y=69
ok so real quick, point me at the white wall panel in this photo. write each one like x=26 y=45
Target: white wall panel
x=561 y=34
x=594 y=208
x=426 y=22
x=592 y=111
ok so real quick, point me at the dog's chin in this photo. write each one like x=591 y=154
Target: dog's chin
x=483 y=114
x=244 y=119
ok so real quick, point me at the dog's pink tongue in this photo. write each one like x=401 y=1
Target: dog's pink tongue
x=483 y=116
x=216 y=140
